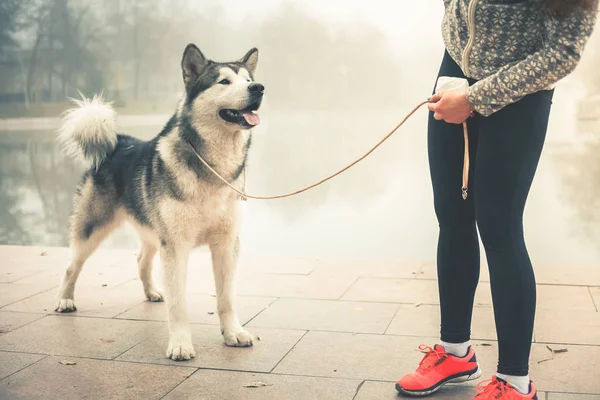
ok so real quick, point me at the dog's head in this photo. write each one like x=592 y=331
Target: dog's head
x=222 y=93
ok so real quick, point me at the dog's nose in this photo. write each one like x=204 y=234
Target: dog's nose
x=256 y=88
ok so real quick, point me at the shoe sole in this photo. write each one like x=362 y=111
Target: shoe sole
x=469 y=376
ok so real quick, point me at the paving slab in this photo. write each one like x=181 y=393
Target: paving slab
x=386 y=391
x=313 y=286
x=557 y=297
x=572 y=396
x=545 y=274
x=220 y=385
x=11 y=362
x=361 y=356
x=285 y=266
x=92 y=379
x=84 y=337
x=202 y=309
x=9 y=321
x=19 y=262
x=424 y=321
x=16 y=291
x=211 y=351
x=411 y=291
x=370 y=268
x=393 y=290
x=327 y=315
x=581 y=275
x=92 y=275
x=564 y=326
x=385 y=358
x=91 y=300
x=564 y=372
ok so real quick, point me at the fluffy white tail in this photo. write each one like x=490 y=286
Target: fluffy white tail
x=88 y=132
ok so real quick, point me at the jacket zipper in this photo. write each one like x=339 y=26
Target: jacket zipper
x=471 y=42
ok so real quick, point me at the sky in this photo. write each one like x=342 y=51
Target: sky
x=420 y=20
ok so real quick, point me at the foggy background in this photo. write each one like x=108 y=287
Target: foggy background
x=338 y=76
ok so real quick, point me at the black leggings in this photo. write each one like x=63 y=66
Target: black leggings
x=505 y=149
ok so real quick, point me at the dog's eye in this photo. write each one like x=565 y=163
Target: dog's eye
x=225 y=82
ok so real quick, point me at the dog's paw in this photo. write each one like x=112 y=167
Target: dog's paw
x=180 y=349
x=238 y=338
x=155 y=295
x=65 y=306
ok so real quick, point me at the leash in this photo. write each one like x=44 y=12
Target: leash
x=244 y=196
x=466 y=162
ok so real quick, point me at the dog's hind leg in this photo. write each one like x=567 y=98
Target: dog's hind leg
x=145 y=264
x=86 y=237
x=95 y=215
x=225 y=250
x=174 y=267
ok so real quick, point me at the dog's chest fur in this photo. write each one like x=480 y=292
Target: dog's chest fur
x=207 y=207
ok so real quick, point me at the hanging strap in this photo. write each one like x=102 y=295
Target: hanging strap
x=465 y=174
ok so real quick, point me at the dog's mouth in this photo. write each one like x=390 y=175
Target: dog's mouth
x=247 y=117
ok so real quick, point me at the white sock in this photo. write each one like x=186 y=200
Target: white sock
x=521 y=383
x=456 y=349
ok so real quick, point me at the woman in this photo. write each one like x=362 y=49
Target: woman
x=512 y=52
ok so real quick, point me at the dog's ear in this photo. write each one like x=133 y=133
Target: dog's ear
x=250 y=60
x=192 y=63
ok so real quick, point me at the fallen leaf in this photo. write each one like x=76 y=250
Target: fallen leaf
x=104 y=285
x=555 y=351
x=44 y=253
x=211 y=313
x=484 y=345
x=418 y=304
x=65 y=362
x=257 y=384
x=258 y=337
x=108 y=340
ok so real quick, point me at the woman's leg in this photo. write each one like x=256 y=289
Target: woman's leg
x=510 y=145
x=458 y=257
x=458 y=244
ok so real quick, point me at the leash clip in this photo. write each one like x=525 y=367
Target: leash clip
x=464 y=193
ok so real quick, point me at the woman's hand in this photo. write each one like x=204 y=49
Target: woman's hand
x=452 y=107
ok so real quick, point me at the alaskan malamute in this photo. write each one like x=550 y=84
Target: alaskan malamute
x=161 y=187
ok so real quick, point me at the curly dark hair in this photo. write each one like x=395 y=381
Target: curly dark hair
x=564 y=8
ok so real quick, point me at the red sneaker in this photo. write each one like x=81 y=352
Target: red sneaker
x=436 y=369
x=498 y=389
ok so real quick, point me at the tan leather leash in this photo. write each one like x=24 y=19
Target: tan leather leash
x=244 y=196
x=466 y=162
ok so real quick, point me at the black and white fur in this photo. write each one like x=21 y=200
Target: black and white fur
x=161 y=188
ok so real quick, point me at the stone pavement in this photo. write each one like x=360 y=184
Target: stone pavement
x=335 y=329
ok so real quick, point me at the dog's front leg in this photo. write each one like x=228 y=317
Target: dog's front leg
x=224 y=250
x=174 y=263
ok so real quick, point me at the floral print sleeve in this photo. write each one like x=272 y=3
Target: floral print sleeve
x=558 y=57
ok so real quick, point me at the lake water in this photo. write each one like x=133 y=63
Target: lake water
x=381 y=209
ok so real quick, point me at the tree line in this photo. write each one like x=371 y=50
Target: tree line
x=131 y=49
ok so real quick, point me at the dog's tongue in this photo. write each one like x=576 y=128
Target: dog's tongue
x=251 y=118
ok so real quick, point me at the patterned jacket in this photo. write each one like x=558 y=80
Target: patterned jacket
x=512 y=48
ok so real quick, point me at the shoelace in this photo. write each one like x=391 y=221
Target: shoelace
x=431 y=358
x=492 y=389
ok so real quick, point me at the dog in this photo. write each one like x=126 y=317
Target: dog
x=160 y=186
